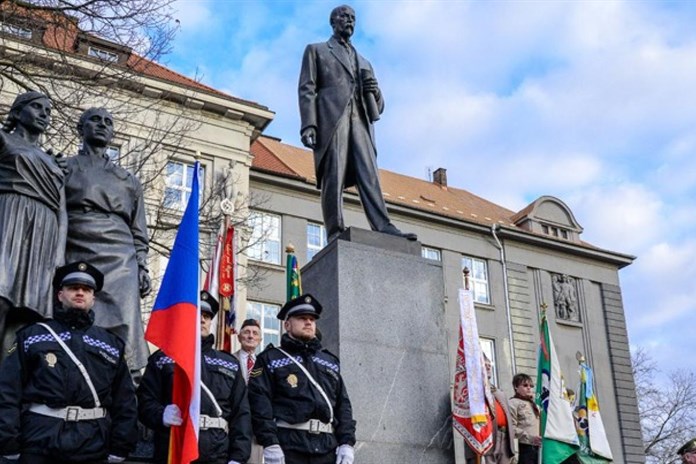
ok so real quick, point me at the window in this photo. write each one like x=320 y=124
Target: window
x=178 y=182
x=103 y=55
x=18 y=31
x=431 y=253
x=478 y=279
x=266 y=314
x=488 y=348
x=316 y=239
x=555 y=231
x=264 y=244
x=113 y=152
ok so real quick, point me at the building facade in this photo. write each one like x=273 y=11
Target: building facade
x=518 y=261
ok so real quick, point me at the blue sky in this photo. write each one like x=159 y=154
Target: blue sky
x=589 y=101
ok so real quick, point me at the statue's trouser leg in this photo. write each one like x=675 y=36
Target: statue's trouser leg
x=363 y=160
x=334 y=165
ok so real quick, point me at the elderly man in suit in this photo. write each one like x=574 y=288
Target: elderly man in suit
x=249 y=339
x=339 y=100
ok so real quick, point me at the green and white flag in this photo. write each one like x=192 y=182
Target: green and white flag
x=559 y=437
x=594 y=446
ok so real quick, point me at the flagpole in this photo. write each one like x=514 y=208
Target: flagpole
x=220 y=338
x=540 y=457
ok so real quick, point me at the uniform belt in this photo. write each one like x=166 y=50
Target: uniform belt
x=69 y=414
x=312 y=426
x=207 y=422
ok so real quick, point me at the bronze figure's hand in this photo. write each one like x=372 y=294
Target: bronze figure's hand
x=370 y=85
x=309 y=137
x=145 y=283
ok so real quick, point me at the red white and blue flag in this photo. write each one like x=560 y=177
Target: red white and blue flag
x=175 y=328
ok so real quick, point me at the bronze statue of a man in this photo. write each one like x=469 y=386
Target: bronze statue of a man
x=339 y=100
x=107 y=227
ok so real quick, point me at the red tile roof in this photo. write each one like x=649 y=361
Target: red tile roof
x=62 y=33
x=275 y=157
x=271 y=155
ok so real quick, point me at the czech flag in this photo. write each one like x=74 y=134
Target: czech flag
x=175 y=328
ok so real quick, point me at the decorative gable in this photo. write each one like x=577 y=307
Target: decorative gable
x=548 y=215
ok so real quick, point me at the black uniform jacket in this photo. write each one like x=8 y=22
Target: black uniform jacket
x=221 y=373
x=39 y=371
x=278 y=389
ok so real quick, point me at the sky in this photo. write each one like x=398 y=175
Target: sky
x=592 y=102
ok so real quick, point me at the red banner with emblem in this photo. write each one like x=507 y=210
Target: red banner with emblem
x=227 y=265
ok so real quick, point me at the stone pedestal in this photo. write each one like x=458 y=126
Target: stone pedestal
x=384 y=317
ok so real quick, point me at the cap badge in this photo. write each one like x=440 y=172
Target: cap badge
x=308 y=300
x=292 y=380
x=82 y=266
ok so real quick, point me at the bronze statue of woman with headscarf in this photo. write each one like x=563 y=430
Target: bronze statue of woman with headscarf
x=32 y=215
x=107 y=227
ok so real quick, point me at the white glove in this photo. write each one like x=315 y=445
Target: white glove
x=113 y=458
x=11 y=457
x=233 y=462
x=273 y=455
x=172 y=415
x=344 y=454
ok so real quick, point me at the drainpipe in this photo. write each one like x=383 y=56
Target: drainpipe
x=507 y=296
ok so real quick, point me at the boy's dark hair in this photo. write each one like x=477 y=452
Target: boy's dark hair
x=521 y=378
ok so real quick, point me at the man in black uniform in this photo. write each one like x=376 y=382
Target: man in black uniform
x=225 y=426
x=66 y=395
x=300 y=408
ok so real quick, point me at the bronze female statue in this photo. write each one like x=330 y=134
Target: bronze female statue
x=32 y=215
x=107 y=228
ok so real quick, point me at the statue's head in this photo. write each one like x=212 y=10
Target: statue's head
x=96 y=127
x=342 y=21
x=31 y=110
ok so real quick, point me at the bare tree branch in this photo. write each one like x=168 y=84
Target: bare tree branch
x=666 y=407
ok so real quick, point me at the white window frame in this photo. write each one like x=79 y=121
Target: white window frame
x=184 y=187
x=101 y=54
x=488 y=348
x=313 y=248
x=265 y=241
x=264 y=312
x=478 y=279
x=431 y=253
x=114 y=153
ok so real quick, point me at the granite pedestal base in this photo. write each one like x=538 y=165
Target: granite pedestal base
x=384 y=317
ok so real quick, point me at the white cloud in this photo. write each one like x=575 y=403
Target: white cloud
x=193 y=14
x=661 y=299
x=625 y=217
